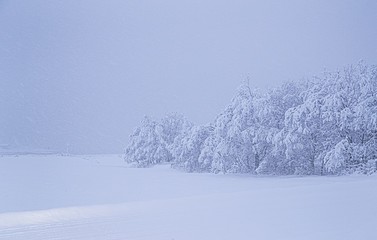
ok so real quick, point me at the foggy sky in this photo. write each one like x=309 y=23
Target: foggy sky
x=83 y=73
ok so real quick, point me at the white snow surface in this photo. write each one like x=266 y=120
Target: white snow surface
x=99 y=197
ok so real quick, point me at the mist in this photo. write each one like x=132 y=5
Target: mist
x=82 y=74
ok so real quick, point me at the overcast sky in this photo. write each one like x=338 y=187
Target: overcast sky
x=84 y=72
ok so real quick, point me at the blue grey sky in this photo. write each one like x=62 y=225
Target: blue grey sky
x=84 y=72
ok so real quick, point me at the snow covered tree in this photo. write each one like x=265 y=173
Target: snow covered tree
x=352 y=110
x=231 y=153
x=188 y=147
x=150 y=143
x=271 y=110
x=173 y=125
x=146 y=146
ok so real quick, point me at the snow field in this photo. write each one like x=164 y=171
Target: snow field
x=97 y=197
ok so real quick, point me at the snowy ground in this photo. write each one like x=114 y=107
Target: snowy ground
x=97 y=197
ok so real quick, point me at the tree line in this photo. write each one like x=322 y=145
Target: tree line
x=320 y=126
